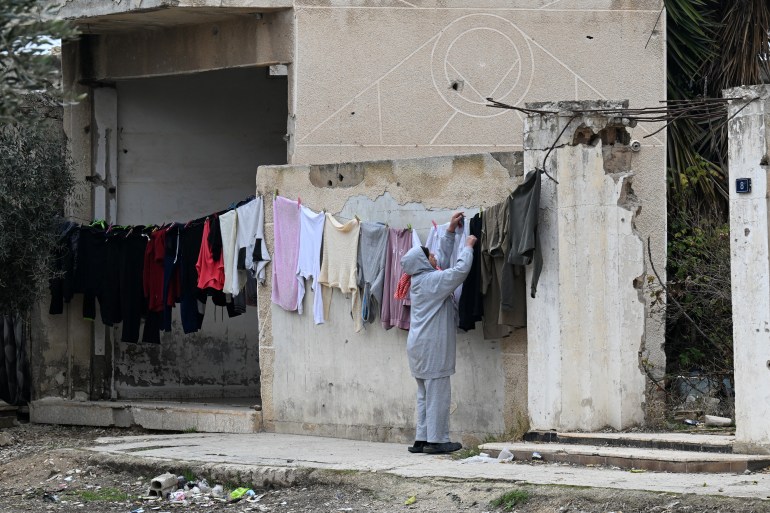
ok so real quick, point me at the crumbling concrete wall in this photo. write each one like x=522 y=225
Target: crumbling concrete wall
x=586 y=325
x=383 y=80
x=331 y=381
x=422 y=73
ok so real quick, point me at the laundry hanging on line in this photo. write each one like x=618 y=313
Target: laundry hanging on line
x=137 y=274
x=365 y=263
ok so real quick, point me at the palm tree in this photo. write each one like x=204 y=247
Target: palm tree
x=712 y=45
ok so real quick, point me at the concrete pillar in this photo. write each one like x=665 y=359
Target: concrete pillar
x=750 y=264
x=586 y=323
x=61 y=345
x=104 y=180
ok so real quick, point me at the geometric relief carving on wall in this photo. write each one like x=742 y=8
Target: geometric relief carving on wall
x=473 y=57
x=501 y=64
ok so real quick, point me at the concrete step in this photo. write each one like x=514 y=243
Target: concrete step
x=157 y=415
x=716 y=441
x=629 y=458
x=7 y=415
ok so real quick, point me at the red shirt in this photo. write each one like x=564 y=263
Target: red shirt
x=211 y=273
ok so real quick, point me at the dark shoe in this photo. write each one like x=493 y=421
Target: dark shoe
x=417 y=447
x=442 y=448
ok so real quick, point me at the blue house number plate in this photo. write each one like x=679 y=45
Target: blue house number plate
x=743 y=185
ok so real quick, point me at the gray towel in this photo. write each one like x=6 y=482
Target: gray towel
x=372 y=244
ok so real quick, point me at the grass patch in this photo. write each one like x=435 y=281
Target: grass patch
x=189 y=475
x=343 y=472
x=466 y=452
x=509 y=500
x=103 y=495
x=192 y=429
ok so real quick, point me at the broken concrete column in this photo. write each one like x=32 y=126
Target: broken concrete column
x=586 y=323
x=750 y=263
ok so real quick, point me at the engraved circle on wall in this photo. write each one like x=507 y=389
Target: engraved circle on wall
x=479 y=56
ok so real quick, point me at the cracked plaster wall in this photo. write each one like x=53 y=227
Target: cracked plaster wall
x=332 y=381
x=749 y=132
x=587 y=324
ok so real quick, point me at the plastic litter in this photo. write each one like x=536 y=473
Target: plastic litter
x=178 y=495
x=537 y=456
x=505 y=455
x=50 y=497
x=411 y=500
x=691 y=422
x=204 y=487
x=481 y=458
x=238 y=493
x=217 y=491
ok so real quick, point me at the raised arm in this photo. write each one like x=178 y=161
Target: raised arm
x=446 y=281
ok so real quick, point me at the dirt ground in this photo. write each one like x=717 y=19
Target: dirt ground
x=38 y=474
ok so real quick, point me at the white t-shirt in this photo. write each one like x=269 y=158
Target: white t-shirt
x=434 y=246
x=311 y=229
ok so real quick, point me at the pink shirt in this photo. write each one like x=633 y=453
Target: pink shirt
x=395 y=312
x=286 y=227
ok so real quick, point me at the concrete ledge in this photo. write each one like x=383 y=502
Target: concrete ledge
x=167 y=416
x=634 y=458
x=264 y=477
x=671 y=441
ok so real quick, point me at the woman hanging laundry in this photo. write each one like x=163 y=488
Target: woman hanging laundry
x=431 y=344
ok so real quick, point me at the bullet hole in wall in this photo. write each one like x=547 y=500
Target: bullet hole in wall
x=457 y=85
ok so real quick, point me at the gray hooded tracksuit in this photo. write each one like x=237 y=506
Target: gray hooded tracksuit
x=431 y=344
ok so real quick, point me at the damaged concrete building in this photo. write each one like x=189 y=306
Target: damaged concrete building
x=375 y=108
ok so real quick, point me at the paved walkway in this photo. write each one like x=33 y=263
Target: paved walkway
x=307 y=452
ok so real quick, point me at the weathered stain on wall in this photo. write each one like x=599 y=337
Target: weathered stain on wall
x=205 y=364
x=332 y=381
